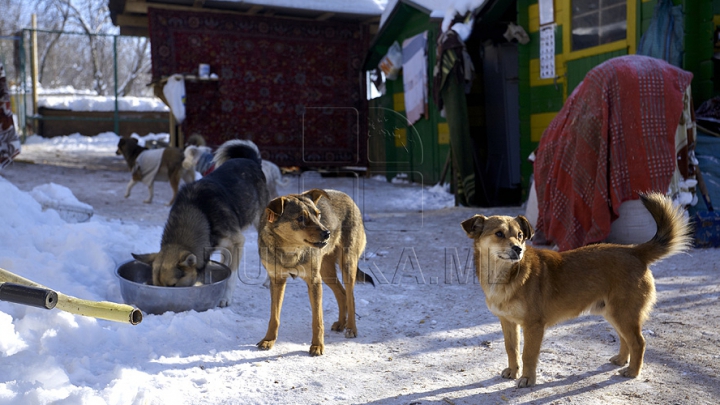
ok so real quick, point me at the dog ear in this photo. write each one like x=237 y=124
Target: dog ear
x=190 y=261
x=275 y=209
x=474 y=226
x=147 y=258
x=315 y=194
x=525 y=226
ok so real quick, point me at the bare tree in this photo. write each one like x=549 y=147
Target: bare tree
x=11 y=17
x=58 y=14
x=139 y=63
x=92 y=18
x=75 y=44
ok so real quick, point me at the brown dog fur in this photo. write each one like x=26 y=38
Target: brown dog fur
x=305 y=235
x=534 y=289
x=171 y=168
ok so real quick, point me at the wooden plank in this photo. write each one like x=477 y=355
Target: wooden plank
x=324 y=16
x=254 y=10
x=546 y=99
x=132 y=20
x=533 y=18
x=560 y=72
x=538 y=124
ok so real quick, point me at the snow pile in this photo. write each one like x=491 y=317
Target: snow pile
x=102 y=103
x=103 y=143
x=460 y=8
x=62 y=200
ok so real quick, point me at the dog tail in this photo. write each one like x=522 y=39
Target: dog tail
x=673 y=229
x=236 y=149
x=363 y=277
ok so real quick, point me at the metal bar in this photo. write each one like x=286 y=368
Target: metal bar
x=34 y=65
x=70 y=32
x=116 y=114
x=26 y=295
x=97 y=309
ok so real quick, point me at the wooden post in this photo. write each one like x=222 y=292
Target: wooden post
x=34 y=70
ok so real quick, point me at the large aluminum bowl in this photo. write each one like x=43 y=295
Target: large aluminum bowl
x=137 y=289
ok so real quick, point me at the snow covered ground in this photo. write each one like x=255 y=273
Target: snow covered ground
x=425 y=335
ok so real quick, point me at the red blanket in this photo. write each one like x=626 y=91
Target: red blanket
x=614 y=137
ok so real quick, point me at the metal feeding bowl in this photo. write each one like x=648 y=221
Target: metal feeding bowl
x=136 y=289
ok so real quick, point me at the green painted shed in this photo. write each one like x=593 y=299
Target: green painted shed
x=415 y=151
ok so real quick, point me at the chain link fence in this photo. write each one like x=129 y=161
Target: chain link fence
x=102 y=68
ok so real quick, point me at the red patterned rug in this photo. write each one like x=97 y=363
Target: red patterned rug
x=291 y=86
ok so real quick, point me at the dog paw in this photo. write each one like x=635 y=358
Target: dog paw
x=147 y=201
x=317 y=350
x=351 y=333
x=265 y=344
x=525 y=382
x=626 y=372
x=127 y=195
x=618 y=360
x=511 y=373
x=338 y=326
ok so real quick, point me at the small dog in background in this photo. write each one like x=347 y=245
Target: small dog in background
x=534 y=289
x=195 y=140
x=200 y=157
x=149 y=165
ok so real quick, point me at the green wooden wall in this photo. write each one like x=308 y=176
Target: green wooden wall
x=418 y=150
x=701 y=18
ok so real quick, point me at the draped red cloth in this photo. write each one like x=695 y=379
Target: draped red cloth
x=291 y=86
x=614 y=137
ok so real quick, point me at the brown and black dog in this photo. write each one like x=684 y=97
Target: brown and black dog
x=148 y=165
x=305 y=235
x=534 y=289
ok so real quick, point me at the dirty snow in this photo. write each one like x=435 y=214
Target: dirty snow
x=425 y=335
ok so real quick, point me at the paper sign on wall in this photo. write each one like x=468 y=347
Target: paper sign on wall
x=547 y=51
x=547 y=11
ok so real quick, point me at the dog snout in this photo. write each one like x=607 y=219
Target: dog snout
x=517 y=249
x=325 y=234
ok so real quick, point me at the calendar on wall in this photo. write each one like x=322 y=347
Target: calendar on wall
x=547 y=51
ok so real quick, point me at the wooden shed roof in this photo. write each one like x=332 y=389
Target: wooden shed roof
x=131 y=15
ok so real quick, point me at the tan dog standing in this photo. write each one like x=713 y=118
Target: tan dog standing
x=534 y=289
x=305 y=235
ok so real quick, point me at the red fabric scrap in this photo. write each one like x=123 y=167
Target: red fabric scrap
x=614 y=137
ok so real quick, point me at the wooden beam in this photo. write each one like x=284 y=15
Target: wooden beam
x=324 y=16
x=141 y=7
x=138 y=7
x=125 y=20
x=135 y=31
x=254 y=10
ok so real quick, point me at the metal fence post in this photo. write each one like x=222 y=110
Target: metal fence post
x=116 y=115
